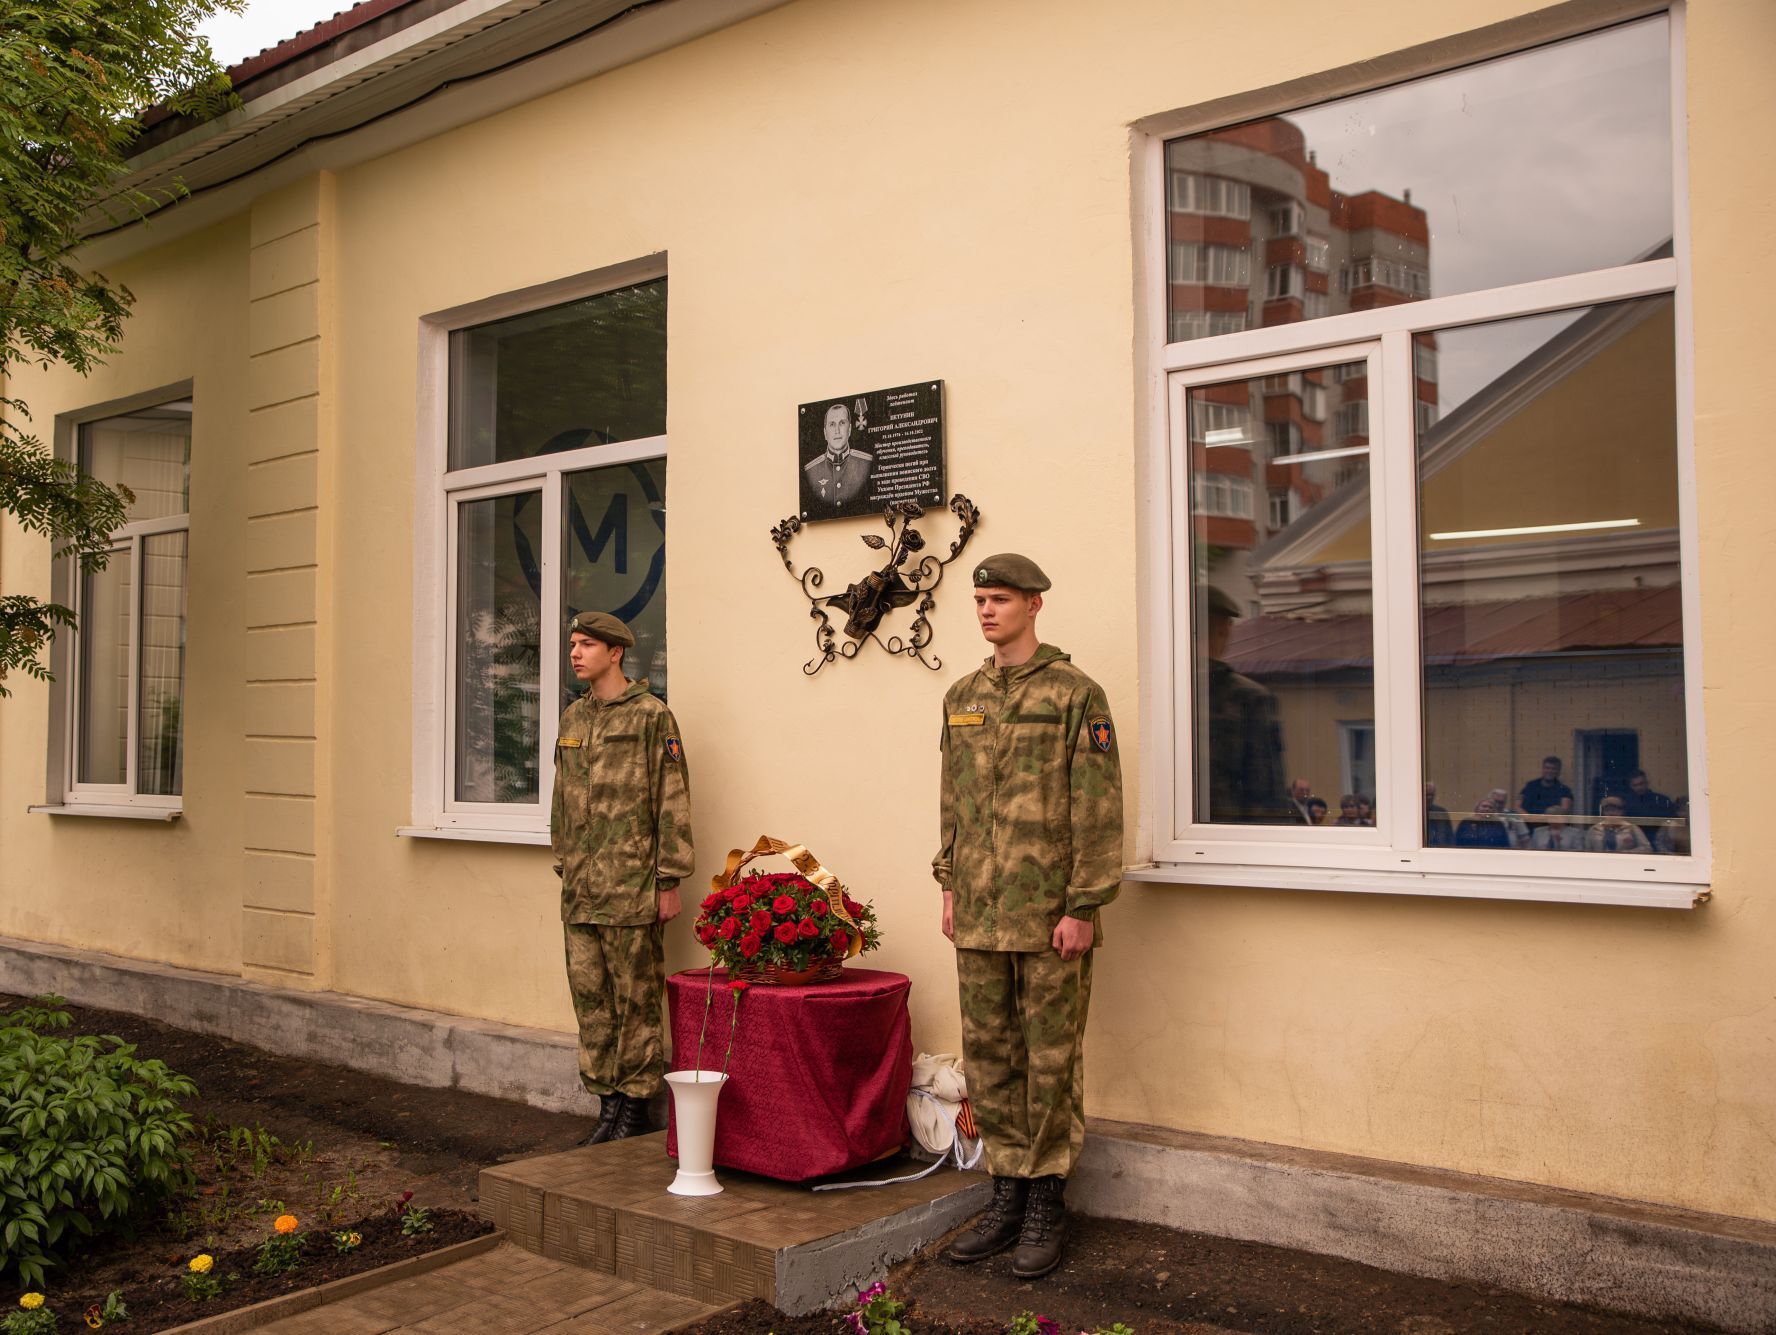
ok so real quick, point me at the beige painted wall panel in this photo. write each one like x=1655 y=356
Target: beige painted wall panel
x=284 y=318
x=278 y=881
x=288 y=209
x=280 y=709
x=285 y=765
x=280 y=598
x=283 y=654
x=282 y=485
x=283 y=824
x=286 y=374
x=287 y=262
x=277 y=940
x=281 y=542
x=137 y=888
x=283 y=429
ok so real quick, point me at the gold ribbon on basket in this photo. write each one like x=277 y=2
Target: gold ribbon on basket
x=804 y=862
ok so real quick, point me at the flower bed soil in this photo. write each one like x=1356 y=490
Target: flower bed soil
x=1159 y=1281
x=335 y=1147
x=158 y=1302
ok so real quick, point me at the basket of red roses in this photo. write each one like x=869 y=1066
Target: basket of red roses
x=783 y=927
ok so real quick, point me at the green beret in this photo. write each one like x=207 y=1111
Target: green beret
x=1008 y=570
x=602 y=626
x=1221 y=604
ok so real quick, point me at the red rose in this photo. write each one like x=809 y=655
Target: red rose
x=761 y=921
x=820 y=908
x=739 y=985
x=808 y=928
x=783 y=904
x=730 y=892
x=841 y=941
x=705 y=932
x=786 y=932
x=852 y=906
x=710 y=902
x=727 y=930
x=742 y=903
x=749 y=945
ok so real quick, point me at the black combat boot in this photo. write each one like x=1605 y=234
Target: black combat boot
x=632 y=1118
x=998 y=1225
x=1045 y=1229
x=609 y=1105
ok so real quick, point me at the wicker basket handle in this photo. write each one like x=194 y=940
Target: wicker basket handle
x=807 y=864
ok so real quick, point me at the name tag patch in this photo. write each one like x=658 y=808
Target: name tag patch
x=967 y=720
x=569 y=742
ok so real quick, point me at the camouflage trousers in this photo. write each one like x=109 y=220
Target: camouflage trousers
x=1023 y=1041
x=618 y=979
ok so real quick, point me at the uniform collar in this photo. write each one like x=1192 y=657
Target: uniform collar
x=1045 y=654
x=630 y=692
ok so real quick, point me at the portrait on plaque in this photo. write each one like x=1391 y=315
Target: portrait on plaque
x=859 y=452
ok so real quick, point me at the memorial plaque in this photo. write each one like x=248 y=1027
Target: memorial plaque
x=858 y=452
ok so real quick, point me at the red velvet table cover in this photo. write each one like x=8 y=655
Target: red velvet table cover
x=819 y=1077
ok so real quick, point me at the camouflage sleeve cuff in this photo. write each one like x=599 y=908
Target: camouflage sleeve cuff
x=666 y=883
x=558 y=869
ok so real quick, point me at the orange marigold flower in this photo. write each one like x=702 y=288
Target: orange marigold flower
x=285 y=1223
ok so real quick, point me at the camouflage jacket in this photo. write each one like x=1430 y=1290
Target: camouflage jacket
x=1032 y=802
x=620 y=821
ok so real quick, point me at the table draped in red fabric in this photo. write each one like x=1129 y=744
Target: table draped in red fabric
x=819 y=1077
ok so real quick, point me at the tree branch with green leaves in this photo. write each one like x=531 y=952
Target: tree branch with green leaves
x=75 y=78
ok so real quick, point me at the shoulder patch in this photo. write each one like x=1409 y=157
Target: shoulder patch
x=674 y=747
x=568 y=741
x=1103 y=735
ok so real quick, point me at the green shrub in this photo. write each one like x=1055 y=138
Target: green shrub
x=89 y=1135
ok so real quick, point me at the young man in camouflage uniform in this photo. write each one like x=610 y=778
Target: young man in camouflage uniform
x=620 y=827
x=1032 y=848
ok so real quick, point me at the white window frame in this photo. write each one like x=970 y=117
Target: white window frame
x=440 y=492
x=1392 y=857
x=66 y=794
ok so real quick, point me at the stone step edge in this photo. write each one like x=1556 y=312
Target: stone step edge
x=808 y=1276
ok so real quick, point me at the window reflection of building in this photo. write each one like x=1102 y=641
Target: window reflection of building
x=1257 y=236
x=1549 y=573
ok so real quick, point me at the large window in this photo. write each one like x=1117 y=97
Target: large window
x=553 y=501
x=126 y=690
x=1468 y=624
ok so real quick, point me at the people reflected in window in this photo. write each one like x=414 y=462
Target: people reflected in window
x=1547 y=793
x=1556 y=836
x=1647 y=809
x=1316 y=811
x=1350 y=810
x=1674 y=836
x=1245 y=742
x=1483 y=829
x=1615 y=833
x=1439 y=830
x=1300 y=794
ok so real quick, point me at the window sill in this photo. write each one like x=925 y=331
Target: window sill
x=1633 y=894
x=118 y=812
x=536 y=838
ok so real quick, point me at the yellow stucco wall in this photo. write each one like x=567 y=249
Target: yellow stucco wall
x=869 y=195
x=140 y=888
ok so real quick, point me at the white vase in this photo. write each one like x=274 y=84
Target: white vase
x=694 y=1096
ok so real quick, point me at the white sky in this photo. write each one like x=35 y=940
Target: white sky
x=234 y=37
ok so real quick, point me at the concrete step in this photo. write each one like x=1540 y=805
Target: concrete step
x=606 y=1208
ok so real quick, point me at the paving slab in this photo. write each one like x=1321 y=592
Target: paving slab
x=507 y=1291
